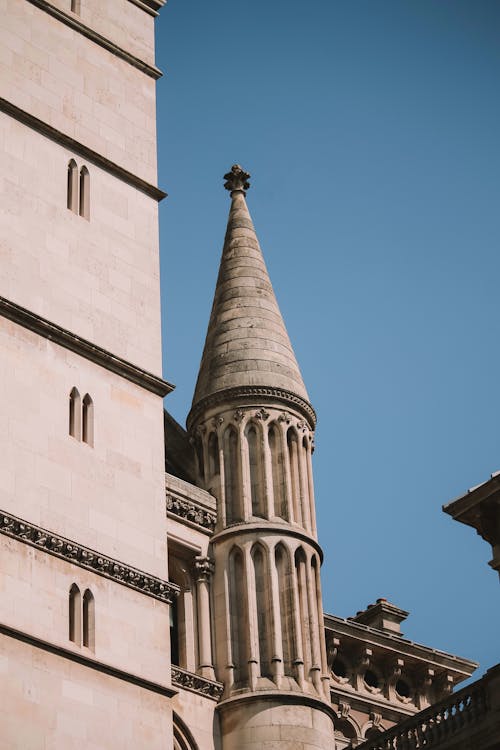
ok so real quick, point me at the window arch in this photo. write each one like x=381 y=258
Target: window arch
x=75 y=612
x=75 y=414
x=238 y=613
x=183 y=739
x=263 y=608
x=88 y=420
x=213 y=455
x=232 y=483
x=285 y=588
x=255 y=470
x=293 y=455
x=84 y=205
x=301 y=574
x=278 y=472
x=88 y=618
x=72 y=187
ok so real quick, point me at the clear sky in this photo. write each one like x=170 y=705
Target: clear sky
x=371 y=129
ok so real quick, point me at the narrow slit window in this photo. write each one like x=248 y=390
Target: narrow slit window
x=75 y=414
x=84 y=207
x=72 y=190
x=75 y=6
x=88 y=619
x=75 y=609
x=88 y=420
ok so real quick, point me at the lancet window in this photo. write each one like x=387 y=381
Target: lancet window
x=255 y=461
x=238 y=613
x=78 y=189
x=81 y=417
x=81 y=617
x=278 y=472
x=285 y=587
x=232 y=474
x=301 y=574
x=293 y=456
x=263 y=608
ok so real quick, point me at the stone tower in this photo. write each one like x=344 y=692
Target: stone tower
x=252 y=426
x=84 y=596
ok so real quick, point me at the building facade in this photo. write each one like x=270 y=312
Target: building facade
x=149 y=597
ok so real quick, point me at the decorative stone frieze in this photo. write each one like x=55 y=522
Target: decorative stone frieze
x=183 y=679
x=191 y=512
x=87 y=558
x=268 y=394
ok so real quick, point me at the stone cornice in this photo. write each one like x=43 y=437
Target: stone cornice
x=83 y=348
x=87 y=661
x=87 y=558
x=152 y=7
x=191 y=512
x=79 y=148
x=75 y=23
x=181 y=678
x=245 y=394
x=282 y=697
x=262 y=528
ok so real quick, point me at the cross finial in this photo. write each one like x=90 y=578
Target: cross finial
x=237 y=179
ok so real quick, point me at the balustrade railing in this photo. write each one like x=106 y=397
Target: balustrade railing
x=436 y=725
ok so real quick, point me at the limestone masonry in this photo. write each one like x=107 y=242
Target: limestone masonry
x=154 y=598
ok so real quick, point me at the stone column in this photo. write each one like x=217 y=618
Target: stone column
x=203 y=567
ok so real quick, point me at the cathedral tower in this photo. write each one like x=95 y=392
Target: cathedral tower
x=252 y=426
x=84 y=591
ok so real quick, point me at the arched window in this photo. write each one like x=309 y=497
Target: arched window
x=183 y=614
x=293 y=455
x=84 y=206
x=75 y=424
x=88 y=619
x=72 y=191
x=75 y=615
x=232 y=483
x=263 y=607
x=285 y=586
x=75 y=6
x=278 y=473
x=255 y=469
x=88 y=420
x=183 y=739
x=238 y=617
x=300 y=572
x=213 y=455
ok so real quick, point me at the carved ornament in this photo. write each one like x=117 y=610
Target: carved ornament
x=189 y=681
x=204 y=567
x=87 y=558
x=237 y=179
x=191 y=512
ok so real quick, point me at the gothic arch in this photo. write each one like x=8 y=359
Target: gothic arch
x=263 y=608
x=232 y=476
x=238 y=614
x=253 y=437
x=285 y=589
x=275 y=441
x=183 y=739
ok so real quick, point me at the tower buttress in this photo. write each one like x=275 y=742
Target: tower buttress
x=252 y=425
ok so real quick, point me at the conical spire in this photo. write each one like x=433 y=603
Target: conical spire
x=247 y=349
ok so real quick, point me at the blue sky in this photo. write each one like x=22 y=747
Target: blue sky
x=371 y=131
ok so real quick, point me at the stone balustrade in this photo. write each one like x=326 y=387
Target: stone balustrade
x=444 y=724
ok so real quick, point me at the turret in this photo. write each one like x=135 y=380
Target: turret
x=252 y=426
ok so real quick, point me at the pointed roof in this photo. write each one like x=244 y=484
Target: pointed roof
x=247 y=348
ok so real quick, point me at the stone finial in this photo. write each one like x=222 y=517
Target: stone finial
x=237 y=179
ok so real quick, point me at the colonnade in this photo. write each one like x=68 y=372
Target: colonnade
x=258 y=464
x=273 y=599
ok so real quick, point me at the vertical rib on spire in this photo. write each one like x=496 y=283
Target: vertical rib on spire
x=247 y=343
